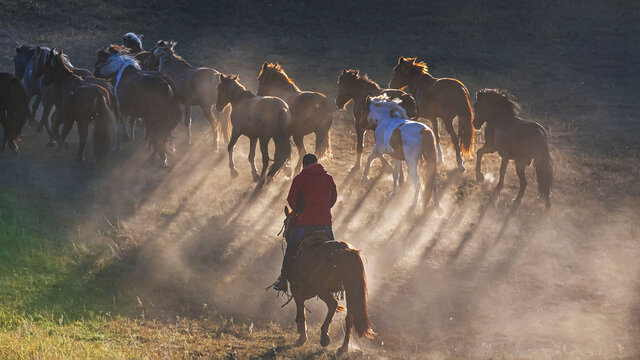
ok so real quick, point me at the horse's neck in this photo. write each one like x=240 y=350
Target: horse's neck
x=240 y=95
x=420 y=82
x=365 y=89
x=172 y=63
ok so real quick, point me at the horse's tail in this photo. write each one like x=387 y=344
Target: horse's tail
x=408 y=103
x=544 y=170
x=355 y=286
x=281 y=139
x=323 y=137
x=430 y=155
x=102 y=128
x=465 y=124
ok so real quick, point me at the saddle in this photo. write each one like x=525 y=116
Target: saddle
x=316 y=238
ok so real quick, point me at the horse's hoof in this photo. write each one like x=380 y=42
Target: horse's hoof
x=256 y=177
x=439 y=210
x=234 y=173
x=365 y=178
x=387 y=168
x=479 y=177
x=356 y=168
x=324 y=340
x=301 y=340
x=341 y=351
x=461 y=167
x=288 y=171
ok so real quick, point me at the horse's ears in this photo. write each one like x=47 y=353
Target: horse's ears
x=344 y=71
x=286 y=211
x=368 y=100
x=221 y=76
x=172 y=44
x=264 y=66
x=233 y=77
x=17 y=50
x=400 y=60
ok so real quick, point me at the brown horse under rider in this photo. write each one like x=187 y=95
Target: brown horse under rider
x=312 y=195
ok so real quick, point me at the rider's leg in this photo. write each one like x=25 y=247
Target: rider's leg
x=295 y=239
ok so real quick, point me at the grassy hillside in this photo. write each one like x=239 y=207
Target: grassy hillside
x=127 y=262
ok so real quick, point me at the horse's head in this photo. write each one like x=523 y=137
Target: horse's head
x=404 y=72
x=226 y=89
x=163 y=50
x=100 y=67
x=52 y=64
x=42 y=55
x=494 y=105
x=24 y=54
x=265 y=78
x=133 y=41
x=290 y=222
x=346 y=83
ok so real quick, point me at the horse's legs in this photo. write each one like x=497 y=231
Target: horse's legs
x=332 y=305
x=301 y=322
x=372 y=156
x=412 y=169
x=434 y=125
x=187 y=121
x=34 y=108
x=44 y=120
x=485 y=149
x=397 y=170
x=448 y=124
x=232 y=144
x=503 y=170
x=520 y=166
x=83 y=133
x=347 y=335
x=66 y=129
x=252 y=157
x=299 y=141
x=359 y=145
x=209 y=115
x=264 y=150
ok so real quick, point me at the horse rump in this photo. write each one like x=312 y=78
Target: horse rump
x=355 y=286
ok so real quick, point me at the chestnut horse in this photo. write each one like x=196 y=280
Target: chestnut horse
x=80 y=101
x=513 y=138
x=145 y=94
x=324 y=268
x=196 y=86
x=14 y=109
x=438 y=98
x=310 y=111
x=258 y=118
x=356 y=87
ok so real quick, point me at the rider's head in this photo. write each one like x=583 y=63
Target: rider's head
x=309 y=159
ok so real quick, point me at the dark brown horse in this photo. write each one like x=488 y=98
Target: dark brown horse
x=310 y=111
x=513 y=138
x=80 y=101
x=14 y=109
x=438 y=98
x=142 y=94
x=258 y=118
x=356 y=87
x=196 y=86
x=323 y=268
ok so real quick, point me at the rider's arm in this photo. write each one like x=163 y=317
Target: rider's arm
x=334 y=193
x=294 y=192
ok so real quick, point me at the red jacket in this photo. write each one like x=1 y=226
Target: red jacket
x=312 y=195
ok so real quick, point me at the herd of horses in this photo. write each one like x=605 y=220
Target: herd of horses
x=157 y=88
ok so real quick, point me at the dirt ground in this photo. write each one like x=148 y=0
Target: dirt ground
x=483 y=280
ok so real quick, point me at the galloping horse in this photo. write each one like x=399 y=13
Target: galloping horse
x=145 y=94
x=81 y=101
x=14 y=109
x=310 y=111
x=259 y=118
x=323 y=268
x=406 y=140
x=195 y=86
x=438 y=98
x=513 y=138
x=356 y=87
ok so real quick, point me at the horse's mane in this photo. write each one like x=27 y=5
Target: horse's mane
x=501 y=98
x=422 y=66
x=116 y=61
x=355 y=75
x=393 y=106
x=280 y=75
x=169 y=45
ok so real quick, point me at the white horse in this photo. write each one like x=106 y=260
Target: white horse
x=406 y=140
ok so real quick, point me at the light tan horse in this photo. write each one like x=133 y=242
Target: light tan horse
x=311 y=112
x=195 y=86
x=258 y=118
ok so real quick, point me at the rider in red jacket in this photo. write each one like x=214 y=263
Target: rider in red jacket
x=312 y=195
